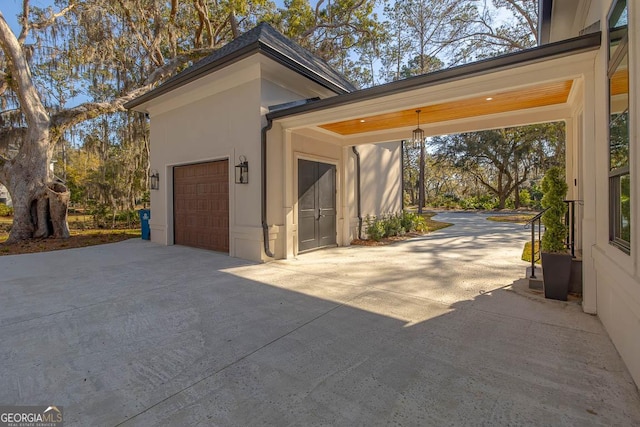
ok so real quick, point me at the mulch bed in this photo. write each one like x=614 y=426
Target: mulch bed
x=75 y=241
x=386 y=240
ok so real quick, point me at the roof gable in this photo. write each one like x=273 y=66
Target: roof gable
x=261 y=39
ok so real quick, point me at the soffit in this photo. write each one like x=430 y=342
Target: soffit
x=620 y=82
x=535 y=96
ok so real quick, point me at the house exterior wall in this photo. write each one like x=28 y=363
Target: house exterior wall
x=617 y=273
x=381 y=187
x=219 y=116
x=611 y=277
x=223 y=126
x=381 y=178
x=614 y=274
x=284 y=149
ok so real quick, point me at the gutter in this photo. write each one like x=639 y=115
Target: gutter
x=263 y=154
x=585 y=43
x=359 y=199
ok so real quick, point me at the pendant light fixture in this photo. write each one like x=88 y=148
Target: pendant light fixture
x=418 y=134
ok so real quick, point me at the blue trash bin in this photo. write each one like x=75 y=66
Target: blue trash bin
x=145 y=216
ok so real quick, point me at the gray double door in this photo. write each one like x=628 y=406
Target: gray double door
x=316 y=205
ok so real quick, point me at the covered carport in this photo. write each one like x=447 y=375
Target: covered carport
x=549 y=83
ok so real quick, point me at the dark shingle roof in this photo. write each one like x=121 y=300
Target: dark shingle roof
x=265 y=39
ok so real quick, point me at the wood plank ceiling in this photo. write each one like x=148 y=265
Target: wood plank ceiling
x=620 y=82
x=531 y=97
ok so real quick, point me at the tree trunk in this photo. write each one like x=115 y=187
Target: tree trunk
x=516 y=196
x=502 y=201
x=39 y=211
x=421 y=179
x=58 y=196
x=39 y=205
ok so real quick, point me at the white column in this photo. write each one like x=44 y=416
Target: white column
x=289 y=184
x=589 y=183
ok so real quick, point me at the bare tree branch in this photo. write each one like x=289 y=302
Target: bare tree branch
x=66 y=118
x=34 y=112
x=533 y=25
x=52 y=18
x=49 y=20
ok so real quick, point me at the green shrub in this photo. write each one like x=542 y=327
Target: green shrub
x=447 y=200
x=377 y=228
x=510 y=204
x=490 y=204
x=374 y=228
x=413 y=222
x=104 y=217
x=5 y=210
x=393 y=225
x=479 y=202
x=525 y=198
x=554 y=188
x=536 y=196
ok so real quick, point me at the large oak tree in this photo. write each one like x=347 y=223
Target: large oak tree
x=107 y=52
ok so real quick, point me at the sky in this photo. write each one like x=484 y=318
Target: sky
x=11 y=8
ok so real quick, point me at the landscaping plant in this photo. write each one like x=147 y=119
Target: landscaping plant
x=556 y=262
x=378 y=228
x=554 y=188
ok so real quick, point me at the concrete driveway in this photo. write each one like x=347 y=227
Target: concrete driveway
x=423 y=332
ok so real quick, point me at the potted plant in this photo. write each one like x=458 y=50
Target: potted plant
x=556 y=262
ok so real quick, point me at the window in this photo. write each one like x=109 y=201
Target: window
x=619 y=172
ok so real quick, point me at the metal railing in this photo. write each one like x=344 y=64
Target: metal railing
x=570 y=240
x=570 y=222
x=535 y=252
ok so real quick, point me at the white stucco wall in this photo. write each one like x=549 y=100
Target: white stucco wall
x=380 y=183
x=617 y=275
x=611 y=277
x=220 y=116
x=223 y=126
x=381 y=178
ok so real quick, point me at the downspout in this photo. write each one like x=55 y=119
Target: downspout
x=263 y=153
x=402 y=175
x=358 y=198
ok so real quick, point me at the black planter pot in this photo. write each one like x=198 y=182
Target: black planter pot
x=556 y=270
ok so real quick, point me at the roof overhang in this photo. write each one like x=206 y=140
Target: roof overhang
x=535 y=85
x=243 y=51
x=245 y=70
x=589 y=42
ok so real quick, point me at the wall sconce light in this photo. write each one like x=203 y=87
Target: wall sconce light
x=242 y=171
x=154 y=180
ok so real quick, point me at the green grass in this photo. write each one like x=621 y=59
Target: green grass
x=526 y=253
x=515 y=218
x=433 y=225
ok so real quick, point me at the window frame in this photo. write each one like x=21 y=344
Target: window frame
x=617 y=174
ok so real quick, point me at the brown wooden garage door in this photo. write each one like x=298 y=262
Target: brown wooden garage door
x=201 y=205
